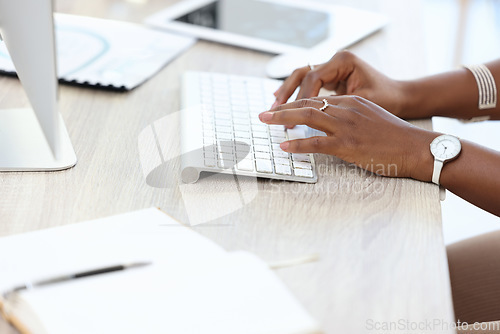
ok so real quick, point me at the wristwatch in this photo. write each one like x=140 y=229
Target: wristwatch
x=444 y=148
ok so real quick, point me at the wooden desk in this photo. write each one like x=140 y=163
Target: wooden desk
x=382 y=257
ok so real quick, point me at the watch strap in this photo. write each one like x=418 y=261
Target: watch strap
x=442 y=193
x=436 y=173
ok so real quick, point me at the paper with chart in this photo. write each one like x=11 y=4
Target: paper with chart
x=108 y=53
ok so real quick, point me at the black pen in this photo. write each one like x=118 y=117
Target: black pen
x=64 y=278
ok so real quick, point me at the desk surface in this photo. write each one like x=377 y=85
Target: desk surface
x=382 y=257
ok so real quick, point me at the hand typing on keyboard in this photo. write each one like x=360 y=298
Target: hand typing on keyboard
x=358 y=131
x=221 y=116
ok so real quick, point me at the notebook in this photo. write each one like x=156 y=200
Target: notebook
x=192 y=285
x=107 y=53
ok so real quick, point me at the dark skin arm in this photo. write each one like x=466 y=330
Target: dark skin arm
x=364 y=133
x=451 y=94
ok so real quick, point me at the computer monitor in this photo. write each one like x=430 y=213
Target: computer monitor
x=33 y=139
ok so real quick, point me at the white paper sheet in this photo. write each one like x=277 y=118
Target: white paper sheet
x=108 y=53
x=192 y=286
x=235 y=294
x=145 y=235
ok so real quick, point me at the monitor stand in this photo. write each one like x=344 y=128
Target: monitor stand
x=23 y=146
x=33 y=139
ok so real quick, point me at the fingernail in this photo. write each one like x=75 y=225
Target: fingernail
x=284 y=145
x=266 y=116
x=275 y=104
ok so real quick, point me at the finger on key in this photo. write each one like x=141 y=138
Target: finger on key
x=309 y=116
x=310 y=145
x=299 y=104
x=312 y=83
x=290 y=85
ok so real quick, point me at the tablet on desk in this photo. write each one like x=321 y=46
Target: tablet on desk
x=274 y=26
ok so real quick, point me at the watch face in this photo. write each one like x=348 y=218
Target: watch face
x=445 y=147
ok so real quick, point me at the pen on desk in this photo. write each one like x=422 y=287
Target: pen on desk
x=69 y=277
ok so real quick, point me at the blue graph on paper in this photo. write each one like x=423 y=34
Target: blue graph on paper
x=86 y=45
x=108 y=53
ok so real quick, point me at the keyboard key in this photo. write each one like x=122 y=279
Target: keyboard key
x=274 y=127
x=225 y=136
x=261 y=148
x=241 y=134
x=242 y=127
x=226 y=164
x=277 y=140
x=259 y=127
x=240 y=140
x=225 y=149
x=260 y=141
x=208 y=133
x=276 y=147
x=242 y=147
x=208 y=141
x=221 y=111
x=243 y=124
x=238 y=96
x=223 y=122
x=239 y=106
x=240 y=121
x=209 y=154
x=303 y=172
x=262 y=155
x=264 y=166
x=238 y=90
x=210 y=162
x=281 y=161
x=226 y=156
x=225 y=142
x=223 y=116
x=218 y=77
x=280 y=154
x=302 y=165
x=301 y=157
x=254 y=95
x=259 y=134
x=240 y=109
x=296 y=133
x=246 y=165
x=220 y=89
x=283 y=170
x=255 y=120
x=277 y=134
x=226 y=129
x=243 y=155
x=222 y=104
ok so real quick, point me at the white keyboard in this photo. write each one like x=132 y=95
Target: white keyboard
x=221 y=131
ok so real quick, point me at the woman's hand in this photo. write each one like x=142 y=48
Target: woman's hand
x=346 y=74
x=359 y=132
